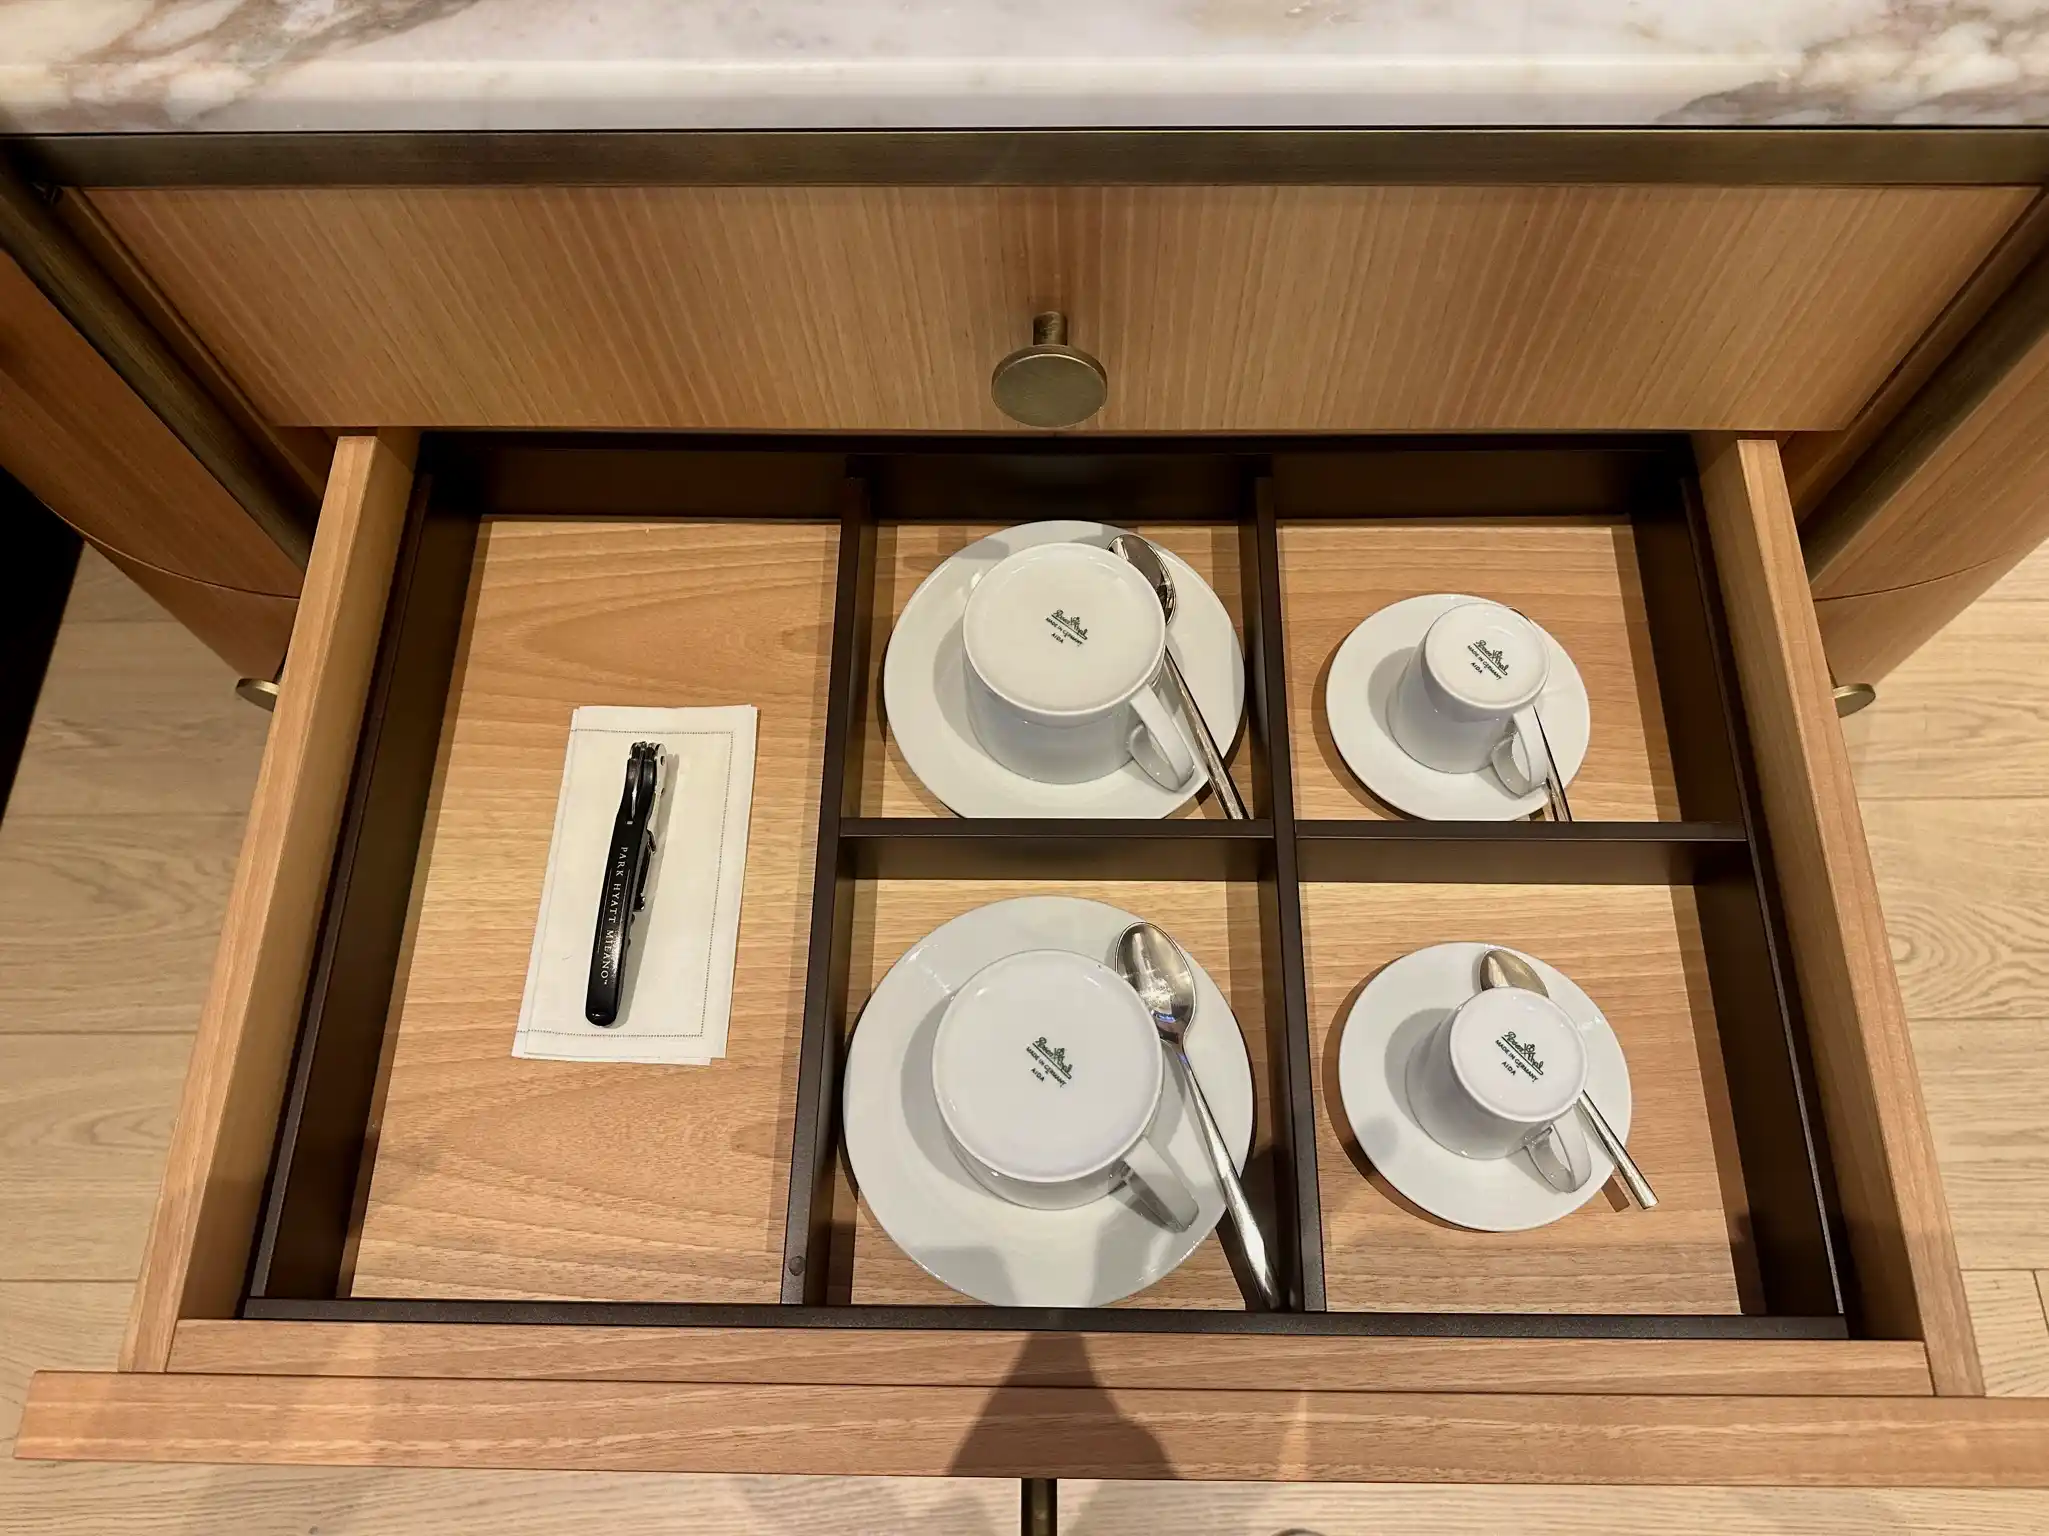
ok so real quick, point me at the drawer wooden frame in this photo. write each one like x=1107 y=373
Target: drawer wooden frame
x=1048 y=1382
x=1716 y=850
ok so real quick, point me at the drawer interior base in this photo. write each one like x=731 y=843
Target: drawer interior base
x=423 y=1173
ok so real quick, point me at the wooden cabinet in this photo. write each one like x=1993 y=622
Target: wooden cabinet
x=431 y=1297
x=1972 y=504
x=91 y=451
x=367 y=1250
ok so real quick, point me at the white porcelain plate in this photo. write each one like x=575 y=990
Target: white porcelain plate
x=925 y=700
x=1361 y=685
x=1394 y=1013
x=907 y=1172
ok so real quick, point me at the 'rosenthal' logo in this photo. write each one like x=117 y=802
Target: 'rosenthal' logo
x=1067 y=629
x=1519 y=1057
x=1049 y=1062
x=1488 y=658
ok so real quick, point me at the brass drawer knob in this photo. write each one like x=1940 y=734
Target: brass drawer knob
x=1049 y=383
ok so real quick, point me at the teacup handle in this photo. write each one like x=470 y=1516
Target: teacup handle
x=1521 y=761
x=1156 y=1182
x=1156 y=741
x=1561 y=1147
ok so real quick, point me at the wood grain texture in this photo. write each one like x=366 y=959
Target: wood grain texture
x=1580 y=581
x=109 y=919
x=84 y=1123
x=247 y=630
x=1815 y=461
x=1868 y=634
x=1954 y=798
x=79 y=1325
x=102 y=594
x=497 y=1177
x=1963 y=732
x=103 y=746
x=70 y=1325
x=2013 y=1333
x=1983 y=494
x=195 y=1258
x=45 y=1499
x=91 y=451
x=906 y=553
x=1217 y=924
x=303 y=453
x=2027 y=582
x=1090 y=1508
x=1041 y=1431
x=908 y=1357
x=1966 y=882
x=1214 y=308
x=1889 y=1187
x=139 y=897
x=1984 y=1082
x=1636 y=950
x=58 y=1499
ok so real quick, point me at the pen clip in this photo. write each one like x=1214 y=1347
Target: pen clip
x=624 y=891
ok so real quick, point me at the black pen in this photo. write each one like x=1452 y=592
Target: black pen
x=625 y=888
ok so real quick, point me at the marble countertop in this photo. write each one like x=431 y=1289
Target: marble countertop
x=142 y=65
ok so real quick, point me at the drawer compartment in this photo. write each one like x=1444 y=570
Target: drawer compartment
x=499 y=1231
x=1639 y=952
x=501 y=1178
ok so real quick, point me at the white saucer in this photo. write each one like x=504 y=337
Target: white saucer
x=1394 y=1012
x=925 y=701
x=911 y=1179
x=1362 y=681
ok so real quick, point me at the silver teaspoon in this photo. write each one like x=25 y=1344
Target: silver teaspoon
x=1140 y=555
x=1165 y=982
x=1502 y=968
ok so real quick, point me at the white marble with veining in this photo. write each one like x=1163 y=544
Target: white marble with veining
x=107 y=65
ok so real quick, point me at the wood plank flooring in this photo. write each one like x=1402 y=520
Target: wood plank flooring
x=114 y=862
x=1953 y=774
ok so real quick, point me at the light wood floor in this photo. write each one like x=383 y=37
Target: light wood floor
x=114 y=863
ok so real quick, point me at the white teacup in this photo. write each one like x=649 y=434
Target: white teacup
x=1501 y=1075
x=1064 y=645
x=1468 y=698
x=1048 y=1072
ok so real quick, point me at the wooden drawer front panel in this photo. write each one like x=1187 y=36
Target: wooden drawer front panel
x=990 y=1357
x=1418 y=1437
x=1214 y=308
x=93 y=453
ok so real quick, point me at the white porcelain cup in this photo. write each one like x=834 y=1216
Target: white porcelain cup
x=1064 y=646
x=1500 y=1076
x=1468 y=698
x=1048 y=1072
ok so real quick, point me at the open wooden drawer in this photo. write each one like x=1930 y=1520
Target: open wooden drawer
x=381 y=1240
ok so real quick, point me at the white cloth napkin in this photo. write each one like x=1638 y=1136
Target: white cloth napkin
x=679 y=965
